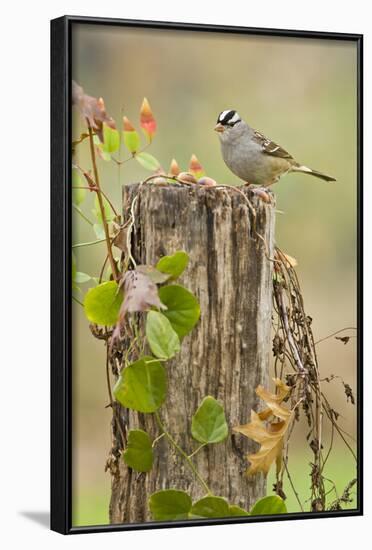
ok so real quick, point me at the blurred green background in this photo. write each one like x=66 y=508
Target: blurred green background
x=299 y=92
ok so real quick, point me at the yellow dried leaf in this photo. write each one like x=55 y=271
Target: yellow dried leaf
x=274 y=400
x=269 y=435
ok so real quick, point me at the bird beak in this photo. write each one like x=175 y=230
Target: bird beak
x=219 y=128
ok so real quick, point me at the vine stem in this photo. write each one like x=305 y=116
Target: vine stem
x=81 y=213
x=157 y=439
x=101 y=205
x=96 y=189
x=79 y=245
x=77 y=301
x=182 y=453
x=197 y=450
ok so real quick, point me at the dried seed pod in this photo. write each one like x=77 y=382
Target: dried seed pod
x=186 y=177
x=263 y=195
x=160 y=180
x=207 y=182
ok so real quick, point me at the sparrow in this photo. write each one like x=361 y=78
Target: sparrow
x=253 y=157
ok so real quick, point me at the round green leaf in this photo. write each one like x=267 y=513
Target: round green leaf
x=132 y=141
x=170 y=505
x=163 y=340
x=102 y=303
x=268 y=506
x=138 y=453
x=211 y=507
x=173 y=265
x=111 y=139
x=209 y=423
x=142 y=386
x=148 y=161
x=183 y=308
x=237 y=511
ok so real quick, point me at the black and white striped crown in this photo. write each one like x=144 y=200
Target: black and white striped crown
x=228 y=118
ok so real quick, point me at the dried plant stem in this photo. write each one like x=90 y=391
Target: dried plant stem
x=292 y=485
x=334 y=334
x=101 y=205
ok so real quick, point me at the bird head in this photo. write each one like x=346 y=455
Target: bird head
x=227 y=120
x=228 y=124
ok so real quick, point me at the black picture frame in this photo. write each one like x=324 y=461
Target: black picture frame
x=61 y=284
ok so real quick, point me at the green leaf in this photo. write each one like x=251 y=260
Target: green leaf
x=163 y=340
x=268 y=506
x=173 y=265
x=78 y=195
x=183 y=308
x=132 y=141
x=111 y=139
x=142 y=386
x=208 y=424
x=237 y=511
x=148 y=161
x=102 y=303
x=138 y=453
x=101 y=152
x=109 y=215
x=99 y=231
x=211 y=507
x=81 y=277
x=170 y=505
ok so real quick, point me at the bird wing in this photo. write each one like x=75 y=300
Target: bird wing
x=270 y=147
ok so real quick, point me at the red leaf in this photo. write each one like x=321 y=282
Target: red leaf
x=195 y=167
x=147 y=120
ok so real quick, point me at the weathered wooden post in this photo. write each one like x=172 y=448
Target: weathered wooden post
x=225 y=356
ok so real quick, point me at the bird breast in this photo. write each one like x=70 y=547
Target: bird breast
x=251 y=165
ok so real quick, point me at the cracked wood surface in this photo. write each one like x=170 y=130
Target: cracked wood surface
x=226 y=355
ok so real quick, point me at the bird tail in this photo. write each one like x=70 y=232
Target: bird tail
x=306 y=170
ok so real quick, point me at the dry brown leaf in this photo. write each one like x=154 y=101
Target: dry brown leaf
x=140 y=293
x=270 y=435
x=92 y=109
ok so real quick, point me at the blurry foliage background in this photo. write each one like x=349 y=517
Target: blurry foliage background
x=300 y=93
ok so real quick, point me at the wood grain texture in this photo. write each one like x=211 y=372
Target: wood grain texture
x=225 y=356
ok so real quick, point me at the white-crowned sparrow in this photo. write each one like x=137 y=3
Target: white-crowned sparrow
x=252 y=157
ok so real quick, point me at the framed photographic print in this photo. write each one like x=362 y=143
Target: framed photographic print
x=206 y=275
